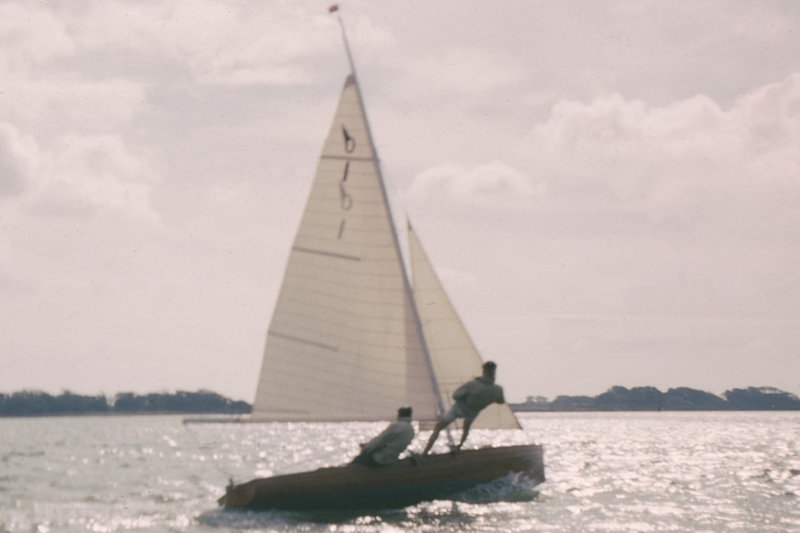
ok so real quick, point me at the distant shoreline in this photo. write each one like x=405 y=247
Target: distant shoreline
x=678 y=399
x=37 y=403
x=27 y=404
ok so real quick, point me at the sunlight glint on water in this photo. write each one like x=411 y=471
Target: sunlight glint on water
x=606 y=472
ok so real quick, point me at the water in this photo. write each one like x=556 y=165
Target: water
x=606 y=472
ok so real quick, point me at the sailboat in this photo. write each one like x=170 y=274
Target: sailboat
x=352 y=340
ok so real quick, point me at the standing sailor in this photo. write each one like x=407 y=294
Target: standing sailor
x=470 y=399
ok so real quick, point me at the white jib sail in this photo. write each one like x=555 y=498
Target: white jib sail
x=455 y=358
x=343 y=343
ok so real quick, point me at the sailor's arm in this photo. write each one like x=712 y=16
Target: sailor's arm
x=462 y=392
x=500 y=396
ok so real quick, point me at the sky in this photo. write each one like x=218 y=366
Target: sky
x=610 y=191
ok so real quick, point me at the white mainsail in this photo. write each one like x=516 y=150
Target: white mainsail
x=344 y=342
x=455 y=358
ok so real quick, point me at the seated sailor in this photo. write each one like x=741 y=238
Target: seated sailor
x=389 y=444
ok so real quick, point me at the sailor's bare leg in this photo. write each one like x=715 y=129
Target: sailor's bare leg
x=464 y=432
x=440 y=425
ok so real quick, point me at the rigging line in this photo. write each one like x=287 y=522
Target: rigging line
x=226 y=474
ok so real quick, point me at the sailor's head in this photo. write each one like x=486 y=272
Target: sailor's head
x=404 y=412
x=489 y=369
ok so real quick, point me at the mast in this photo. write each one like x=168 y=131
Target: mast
x=350 y=58
x=406 y=283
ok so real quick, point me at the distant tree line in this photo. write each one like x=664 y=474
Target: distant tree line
x=679 y=399
x=37 y=403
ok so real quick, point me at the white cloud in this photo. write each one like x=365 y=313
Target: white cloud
x=213 y=41
x=687 y=209
x=687 y=155
x=216 y=42
x=16 y=157
x=78 y=176
x=30 y=36
x=493 y=185
x=53 y=106
x=87 y=174
x=460 y=70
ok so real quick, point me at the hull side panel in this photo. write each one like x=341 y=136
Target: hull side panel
x=399 y=485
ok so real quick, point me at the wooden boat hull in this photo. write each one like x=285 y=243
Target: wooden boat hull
x=404 y=483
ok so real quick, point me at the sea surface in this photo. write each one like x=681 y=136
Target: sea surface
x=606 y=472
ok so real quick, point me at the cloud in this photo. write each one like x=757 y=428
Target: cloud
x=80 y=175
x=30 y=36
x=16 y=153
x=689 y=155
x=214 y=42
x=54 y=105
x=91 y=173
x=621 y=207
x=210 y=41
x=466 y=71
x=494 y=185
x=690 y=165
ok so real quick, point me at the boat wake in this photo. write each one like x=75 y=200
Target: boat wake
x=290 y=520
x=246 y=520
x=515 y=487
